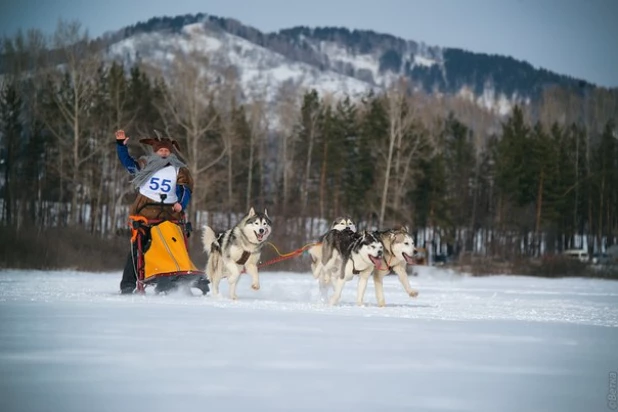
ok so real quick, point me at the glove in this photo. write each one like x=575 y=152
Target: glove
x=121 y=138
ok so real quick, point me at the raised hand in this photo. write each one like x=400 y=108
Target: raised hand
x=121 y=137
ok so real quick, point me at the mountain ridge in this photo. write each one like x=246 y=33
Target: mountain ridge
x=494 y=81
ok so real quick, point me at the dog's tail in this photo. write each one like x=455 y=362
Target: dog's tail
x=315 y=252
x=208 y=238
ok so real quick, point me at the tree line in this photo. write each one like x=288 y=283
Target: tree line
x=464 y=179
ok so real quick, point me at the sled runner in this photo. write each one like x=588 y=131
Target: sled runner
x=162 y=257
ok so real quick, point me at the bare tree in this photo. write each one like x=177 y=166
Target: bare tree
x=228 y=96
x=113 y=102
x=257 y=122
x=35 y=50
x=188 y=107
x=400 y=120
x=408 y=145
x=313 y=112
x=73 y=90
x=287 y=111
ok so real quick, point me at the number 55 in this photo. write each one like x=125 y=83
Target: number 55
x=165 y=184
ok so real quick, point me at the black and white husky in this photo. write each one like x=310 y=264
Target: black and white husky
x=347 y=253
x=235 y=250
x=315 y=252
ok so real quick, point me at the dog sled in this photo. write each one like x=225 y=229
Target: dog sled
x=162 y=256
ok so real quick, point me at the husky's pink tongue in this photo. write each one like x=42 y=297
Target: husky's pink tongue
x=408 y=258
x=261 y=236
x=377 y=262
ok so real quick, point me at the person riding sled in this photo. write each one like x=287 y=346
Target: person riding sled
x=164 y=185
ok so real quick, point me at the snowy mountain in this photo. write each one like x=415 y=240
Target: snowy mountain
x=261 y=71
x=336 y=60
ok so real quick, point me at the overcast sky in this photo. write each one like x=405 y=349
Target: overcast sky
x=573 y=37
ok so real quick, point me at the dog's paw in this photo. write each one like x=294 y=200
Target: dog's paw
x=360 y=304
x=413 y=293
x=255 y=286
x=381 y=304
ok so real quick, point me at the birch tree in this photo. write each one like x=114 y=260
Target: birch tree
x=228 y=107
x=311 y=113
x=187 y=108
x=257 y=150
x=400 y=120
x=72 y=90
x=287 y=115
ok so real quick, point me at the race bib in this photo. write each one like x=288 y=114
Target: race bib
x=161 y=185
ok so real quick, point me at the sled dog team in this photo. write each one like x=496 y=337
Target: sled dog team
x=342 y=253
x=164 y=188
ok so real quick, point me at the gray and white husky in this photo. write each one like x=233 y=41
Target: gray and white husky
x=315 y=251
x=399 y=251
x=235 y=250
x=348 y=253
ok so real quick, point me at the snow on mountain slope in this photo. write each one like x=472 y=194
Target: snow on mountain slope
x=367 y=65
x=261 y=71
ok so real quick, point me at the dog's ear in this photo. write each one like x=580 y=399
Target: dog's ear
x=266 y=212
x=251 y=212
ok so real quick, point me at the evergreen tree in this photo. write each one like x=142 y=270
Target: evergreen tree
x=460 y=164
x=345 y=158
x=309 y=131
x=372 y=129
x=605 y=172
x=544 y=166
x=430 y=195
x=144 y=98
x=11 y=131
x=514 y=176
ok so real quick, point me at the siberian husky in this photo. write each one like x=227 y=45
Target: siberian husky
x=235 y=250
x=315 y=251
x=359 y=253
x=399 y=251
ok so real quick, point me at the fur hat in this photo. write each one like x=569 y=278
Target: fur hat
x=161 y=142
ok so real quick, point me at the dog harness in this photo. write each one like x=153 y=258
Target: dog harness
x=243 y=259
x=354 y=270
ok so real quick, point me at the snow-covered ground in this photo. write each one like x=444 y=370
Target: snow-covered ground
x=69 y=342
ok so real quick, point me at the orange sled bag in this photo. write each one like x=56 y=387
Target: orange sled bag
x=166 y=258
